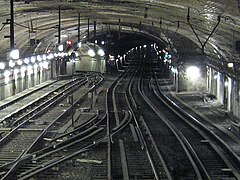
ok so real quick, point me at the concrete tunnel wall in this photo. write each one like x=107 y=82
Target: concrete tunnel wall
x=16 y=81
x=225 y=89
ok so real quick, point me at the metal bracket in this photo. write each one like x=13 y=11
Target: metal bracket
x=202 y=44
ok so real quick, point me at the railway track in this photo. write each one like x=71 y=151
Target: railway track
x=226 y=137
x=16 y=108
x=127 y=160
x=221 y=141
x=128 y=154
x=25 y=138
x=203 y=153
x=141 y=136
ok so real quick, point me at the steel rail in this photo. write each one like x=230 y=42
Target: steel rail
x=45 y=130
x=109 y=94
x=3 y=106
x=129 y=99
x=11 y=115
x=171 y=127
x=218 y=140
x=52 y=101
x=86 y=148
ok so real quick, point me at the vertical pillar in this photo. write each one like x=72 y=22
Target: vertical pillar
x=177 y=80
x=229 y=95
x=140 y=25
x=59 y=25
x=119 y=28
x=95 y=29
x=209 y=79
x=78 y=27
x=12 y=24
x=88 y=32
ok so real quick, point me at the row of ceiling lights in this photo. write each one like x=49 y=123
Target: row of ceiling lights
x=15 y=61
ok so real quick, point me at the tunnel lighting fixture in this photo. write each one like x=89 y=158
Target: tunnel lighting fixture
x=19 y=62
x=230 y=65
x=193 y=72
x=60 y=47
x=33 y=59
x=11 y=63
x=80 y=44
x=26 y=60
x=103 y=42
x=44 y=57
x=91 y=53
x=96 y=41
x=226 y=83
x=50 y=56
x=145 y=46
x=14 y=54
x=39 y=58
x=101 y=52
x=174 y=70
x=2 y=65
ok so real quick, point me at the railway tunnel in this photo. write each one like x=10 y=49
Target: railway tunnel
x=192 y=49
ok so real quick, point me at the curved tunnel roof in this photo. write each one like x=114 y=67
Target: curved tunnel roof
x=199 y=27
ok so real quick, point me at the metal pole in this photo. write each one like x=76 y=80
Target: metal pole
x=79 y=27
x=140 y=26
x=59 y=25
x=88 y=29
x=95 y=29
x=119 y=28
x=12 y=25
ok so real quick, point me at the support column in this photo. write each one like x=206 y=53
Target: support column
x=12 y=24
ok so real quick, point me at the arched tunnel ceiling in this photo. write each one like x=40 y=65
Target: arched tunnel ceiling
x=180 y=23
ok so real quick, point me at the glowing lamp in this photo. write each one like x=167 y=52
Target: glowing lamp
x=91 y=53
x=14 y=54
x=101 y=52
x=193 y=72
